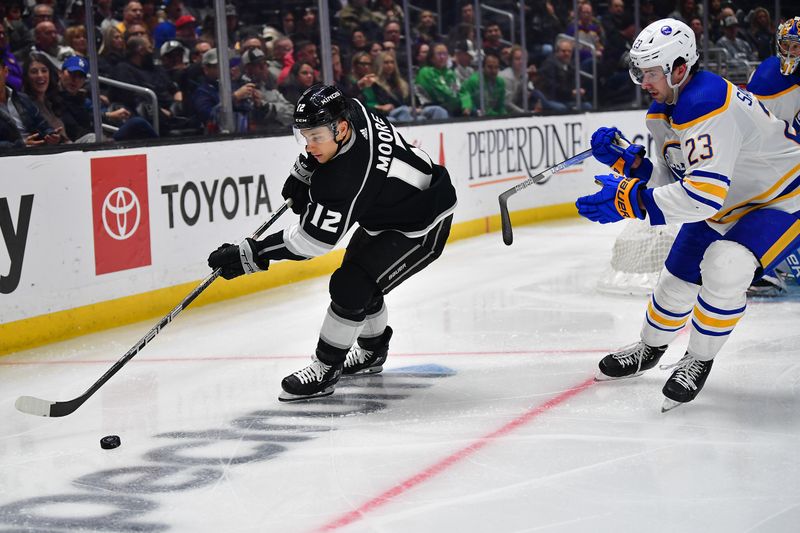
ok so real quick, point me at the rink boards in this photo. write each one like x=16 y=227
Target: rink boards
x=96 y=239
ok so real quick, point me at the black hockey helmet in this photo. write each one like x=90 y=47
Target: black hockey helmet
x=320 y=105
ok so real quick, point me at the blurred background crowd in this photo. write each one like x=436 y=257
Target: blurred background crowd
x=459 y=63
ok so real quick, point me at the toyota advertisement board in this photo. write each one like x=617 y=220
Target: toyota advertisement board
x=80 y=228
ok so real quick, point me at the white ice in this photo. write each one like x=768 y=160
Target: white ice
x=485 y=419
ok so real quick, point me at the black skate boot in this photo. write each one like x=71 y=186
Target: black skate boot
x=367 y=357
x=768 y=286
x=686 y=381
x=314 y=381
x=630 y=361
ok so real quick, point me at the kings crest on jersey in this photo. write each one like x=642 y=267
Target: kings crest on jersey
x=377 y=180
x=729 y=153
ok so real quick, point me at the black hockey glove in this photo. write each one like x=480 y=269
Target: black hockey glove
x=298 y=192
x=235 y=260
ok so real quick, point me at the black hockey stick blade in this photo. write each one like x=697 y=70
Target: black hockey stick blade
x=38 y=407
x=505 y=216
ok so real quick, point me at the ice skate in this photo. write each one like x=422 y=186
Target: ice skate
x=686 y=381
x=629 y=362
x=314 y=381
x=768 y=286
x=368 y=359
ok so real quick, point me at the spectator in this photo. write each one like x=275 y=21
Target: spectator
x=112 y=51
x=17 y=33
x=492 y=39
x=613 y=71
x=361 y=75
x=438 y=84
x=199 y=50
x=300 y=78
x=685 y=11
x=358 y=43
x=391 y=95
x=77 y=109
x=186 y=31
x=760 y=34
x=337 y=66
x=375 y=49
x=463 y=62
x=206 y=98
x=389 y=46
x=103 y=16
x=132 y=14
x=696 y=24
x=304 y=51
x=557 y=77
x=587 y=29
x=736 y=47
x=426 y=28
x=546 y=25
x=386 y=10
x=282 y=53
x=21 y=124
x=467 y=18
x=308 y=26
x=287 y=22
x=271 y=111
x=394 y=33
x=535 y=97
x=166 y=31
x=137 y=30
x=41 y=85
x=13 y=69
x=174 y=60
x=252 y=42
x=355 y=15
x=46 y=42
x=75 y=38
x=612 y=20
x=140 y=69
x=421 y=52
x=514 y=76
x=150 y=17
x=494 y=89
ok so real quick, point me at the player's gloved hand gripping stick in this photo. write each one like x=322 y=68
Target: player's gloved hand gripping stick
x=36 y=406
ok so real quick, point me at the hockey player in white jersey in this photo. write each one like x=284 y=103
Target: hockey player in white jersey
x=776 y=83
x=737 y=196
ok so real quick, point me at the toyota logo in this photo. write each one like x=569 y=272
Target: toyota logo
x=121 y=213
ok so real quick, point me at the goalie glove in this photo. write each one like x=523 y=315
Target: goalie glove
x=618 y=199
x=611 y=148
x=234 y=260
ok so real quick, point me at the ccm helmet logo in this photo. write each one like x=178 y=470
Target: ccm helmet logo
x=666 y=30
x=328 y=98
x=121 y=213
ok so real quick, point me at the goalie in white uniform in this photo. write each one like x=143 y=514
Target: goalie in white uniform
x=737 y=196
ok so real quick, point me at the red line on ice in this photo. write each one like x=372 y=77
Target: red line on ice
x=303 y=356
x=437 y=468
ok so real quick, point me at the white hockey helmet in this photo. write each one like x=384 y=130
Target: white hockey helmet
x=787 y=45
x=659 y=45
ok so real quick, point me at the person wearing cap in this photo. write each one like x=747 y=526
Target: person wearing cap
x=174 y=58
x=186 y=31
x=206 y=99
x=462 y=65
x=14 y=79
x=21 y=122
x=165 y=31
x=730 y=41
x=271 y=111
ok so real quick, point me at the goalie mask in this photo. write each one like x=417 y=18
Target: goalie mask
x=787 y=45
x=317 y=114
x=659 y=45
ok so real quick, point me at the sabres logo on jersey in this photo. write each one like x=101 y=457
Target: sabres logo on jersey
x=675 y=160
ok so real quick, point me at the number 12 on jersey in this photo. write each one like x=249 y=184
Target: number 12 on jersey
x=325 y=219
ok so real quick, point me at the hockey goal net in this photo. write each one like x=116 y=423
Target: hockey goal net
x=637 y=258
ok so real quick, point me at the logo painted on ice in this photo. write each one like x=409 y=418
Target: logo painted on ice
x=121 y=213
x=666 y=30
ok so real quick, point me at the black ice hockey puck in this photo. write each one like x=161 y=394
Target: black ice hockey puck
x=109 y=442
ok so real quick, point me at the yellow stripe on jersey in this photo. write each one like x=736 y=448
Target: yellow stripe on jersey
x=653 y=314
x=714 y=322
x=781 y=244
x=657 y=116
x=708 y=188
x=707 y=116
x=722 y=216
x=776 y=95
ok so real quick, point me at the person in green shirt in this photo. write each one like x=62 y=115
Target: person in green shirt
x=494 y=87
x=437 y=83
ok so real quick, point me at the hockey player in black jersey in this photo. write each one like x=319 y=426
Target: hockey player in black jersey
x=357 y=169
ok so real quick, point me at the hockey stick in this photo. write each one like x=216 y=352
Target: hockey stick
x=505 y=217
x=39 y=407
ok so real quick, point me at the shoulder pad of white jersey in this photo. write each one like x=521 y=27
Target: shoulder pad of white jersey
x=660 y=112
x=768 y=81
x=704 y=96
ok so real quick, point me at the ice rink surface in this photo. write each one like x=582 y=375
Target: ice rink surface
x=486 y=418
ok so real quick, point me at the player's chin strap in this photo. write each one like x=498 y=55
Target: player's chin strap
x=676 y=88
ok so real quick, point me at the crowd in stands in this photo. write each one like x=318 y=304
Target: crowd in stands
x=169 y=47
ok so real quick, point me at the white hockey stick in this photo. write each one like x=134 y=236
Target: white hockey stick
x=39 y=407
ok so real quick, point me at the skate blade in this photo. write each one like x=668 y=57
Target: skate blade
x=367 y=371
x=288 y=397
x=669 y=405
x=602 y=377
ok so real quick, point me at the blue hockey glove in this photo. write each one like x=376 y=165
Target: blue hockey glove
x=618 y=199
x=234 y=260
x=606 y=148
